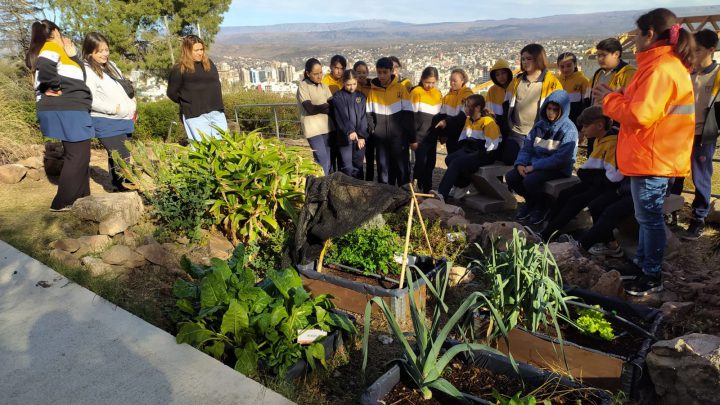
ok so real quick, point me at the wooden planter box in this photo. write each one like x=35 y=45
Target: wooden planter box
x=532 y=377
x=595 y=368
x=353 y=296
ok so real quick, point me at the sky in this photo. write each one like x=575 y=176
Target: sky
x=264 y=12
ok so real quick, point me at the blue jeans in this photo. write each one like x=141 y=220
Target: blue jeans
x=648 y=194
x=320 y=144
x=702 y=170
x=205 y=125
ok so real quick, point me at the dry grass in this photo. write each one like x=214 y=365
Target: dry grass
x=16 y=102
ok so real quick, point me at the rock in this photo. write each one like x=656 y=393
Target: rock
x=499 y=234
x=610 y=284
x=34 y=175
x=580 y=271
x=34 y=162
x=98 y=267
x=156 y=254
x=122 y=255
x=473 y=232
x=115 y=212
x=11 y=174
x=385 y=339
x=65 y=257
x=433 y=209
x=460 y=275
x=92 y=244
x=714 y=214
x=563 y=251
x=68 y=245
x=374 y=222
x=457 y=221
x=677 y=310
x=219 y=246
x=686 y=370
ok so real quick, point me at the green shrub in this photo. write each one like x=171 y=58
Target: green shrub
x=261 y=118
x=255 y=185
x=369 y=249
x=594 y=323
x=154 y=120
x=223 y=313
x=17 y=109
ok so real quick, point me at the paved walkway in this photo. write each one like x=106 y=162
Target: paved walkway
x=62 y=344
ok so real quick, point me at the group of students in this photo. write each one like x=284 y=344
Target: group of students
x=640 y=123
x=80 y=96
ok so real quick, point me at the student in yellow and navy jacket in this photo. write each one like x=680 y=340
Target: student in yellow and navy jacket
x=598 y=174
x=526 y=93
x=426 y=101
x=501 y=75
x=452 y=117
x=396 y=71
x=333 y=80
x=575 y=83
x=391 y=125
x=479 y=143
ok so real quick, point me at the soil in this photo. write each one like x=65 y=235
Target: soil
x=481 y=383
x=380 y=281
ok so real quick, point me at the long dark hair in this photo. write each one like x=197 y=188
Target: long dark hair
x=41 y=32
x=309 y=65
x=662 y=20
x=476 y=100
x=429 y=72
x=92 y=42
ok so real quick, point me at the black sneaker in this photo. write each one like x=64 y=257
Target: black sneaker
x=644 y=285
x=694 y=230
x=537 y=217
x=523 y=212
x=629 y=272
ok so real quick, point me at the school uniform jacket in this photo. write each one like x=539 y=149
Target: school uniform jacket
x=484 y=130
x=390 y=111
x=426 y=107
x=350 y=116
x=334 y=85
x=452 y=111
x=551 y=145
x=550 y=84
x=494 y=100
x=621 y=77
x=711 y=128
x=55 y=70
x=364 y=88
x=602 y=161
x=578 y=88
x=656 y=115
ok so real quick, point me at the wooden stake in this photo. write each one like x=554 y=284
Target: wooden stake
x=425 y=195
x=407 y=244
x=322 y=256
x=422 y=222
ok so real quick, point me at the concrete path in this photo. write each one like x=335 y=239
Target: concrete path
x=62 y=344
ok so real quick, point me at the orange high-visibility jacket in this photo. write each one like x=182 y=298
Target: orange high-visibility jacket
x=656 y=115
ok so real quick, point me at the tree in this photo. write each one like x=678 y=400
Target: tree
x=16 y=17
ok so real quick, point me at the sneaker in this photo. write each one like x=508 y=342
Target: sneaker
x=63 y=209
x=472 y=191
x=628 y=272
x=459 y=193
x=537 y=217
x=532 y=233
x=694 y=230
x=565 y=238
x=523 y=213
x=644 y=285
x=604 y=249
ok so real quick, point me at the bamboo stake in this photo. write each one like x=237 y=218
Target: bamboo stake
x=420 y=217
x=407 y=244
x=425 y=195
x=322 y=256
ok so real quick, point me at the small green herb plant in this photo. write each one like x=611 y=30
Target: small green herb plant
x=371 y=250
x=226 y=315
x=517 y=399
x=594 y=323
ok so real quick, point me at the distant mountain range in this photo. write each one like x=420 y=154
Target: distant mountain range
x=559 y=26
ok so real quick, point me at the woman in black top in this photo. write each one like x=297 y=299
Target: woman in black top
x=194 y=83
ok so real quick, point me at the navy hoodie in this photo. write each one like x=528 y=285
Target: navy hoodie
x=350 y=116
x=551 y=145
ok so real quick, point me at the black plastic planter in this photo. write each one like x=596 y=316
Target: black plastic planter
x=531 y=376
x=332 y=343
x=353 y=296
x=594 y=367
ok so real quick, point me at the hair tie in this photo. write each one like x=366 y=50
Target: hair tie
x=674 y=34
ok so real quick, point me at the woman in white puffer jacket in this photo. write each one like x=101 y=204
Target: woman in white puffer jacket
x=113 y=111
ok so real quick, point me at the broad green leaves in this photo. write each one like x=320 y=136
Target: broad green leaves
x=369 y=249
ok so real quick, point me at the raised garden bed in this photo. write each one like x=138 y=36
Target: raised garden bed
x=477 y=376
x=352 y=289
x=617 y=365
x=332 y=343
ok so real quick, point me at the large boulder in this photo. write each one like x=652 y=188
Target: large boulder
x=115 y=212
x=434 y=209
x=499 y=234
x=11 y=174
x=610 y=284
x=686 y=370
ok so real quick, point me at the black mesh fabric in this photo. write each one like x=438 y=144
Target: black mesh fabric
x=337 y=204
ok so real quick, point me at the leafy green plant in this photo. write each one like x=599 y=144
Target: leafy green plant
x=255 y=185
x=594 y=323
x=155 y=122
x=370 y=249
x=225 y=314
x=425 y=365
x=517 y=399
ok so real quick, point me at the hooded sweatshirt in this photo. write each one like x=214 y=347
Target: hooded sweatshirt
x=551 y=145
x=550 y=84
x=496 y=94
x=601 y=166
x=578 y=87
x=333 y=85
x=55 y=70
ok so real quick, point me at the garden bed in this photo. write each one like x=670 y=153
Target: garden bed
x=477 y=376
x=351 y=289
x=608 y=365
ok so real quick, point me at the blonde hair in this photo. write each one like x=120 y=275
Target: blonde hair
x=462 y=73
x=187 y=64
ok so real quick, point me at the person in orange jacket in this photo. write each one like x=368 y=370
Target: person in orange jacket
x=656 y=113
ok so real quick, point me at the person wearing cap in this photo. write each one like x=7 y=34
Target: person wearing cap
x=597 y=175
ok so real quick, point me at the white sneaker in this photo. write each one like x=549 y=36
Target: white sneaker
x=460 y=192
x=602 y=249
